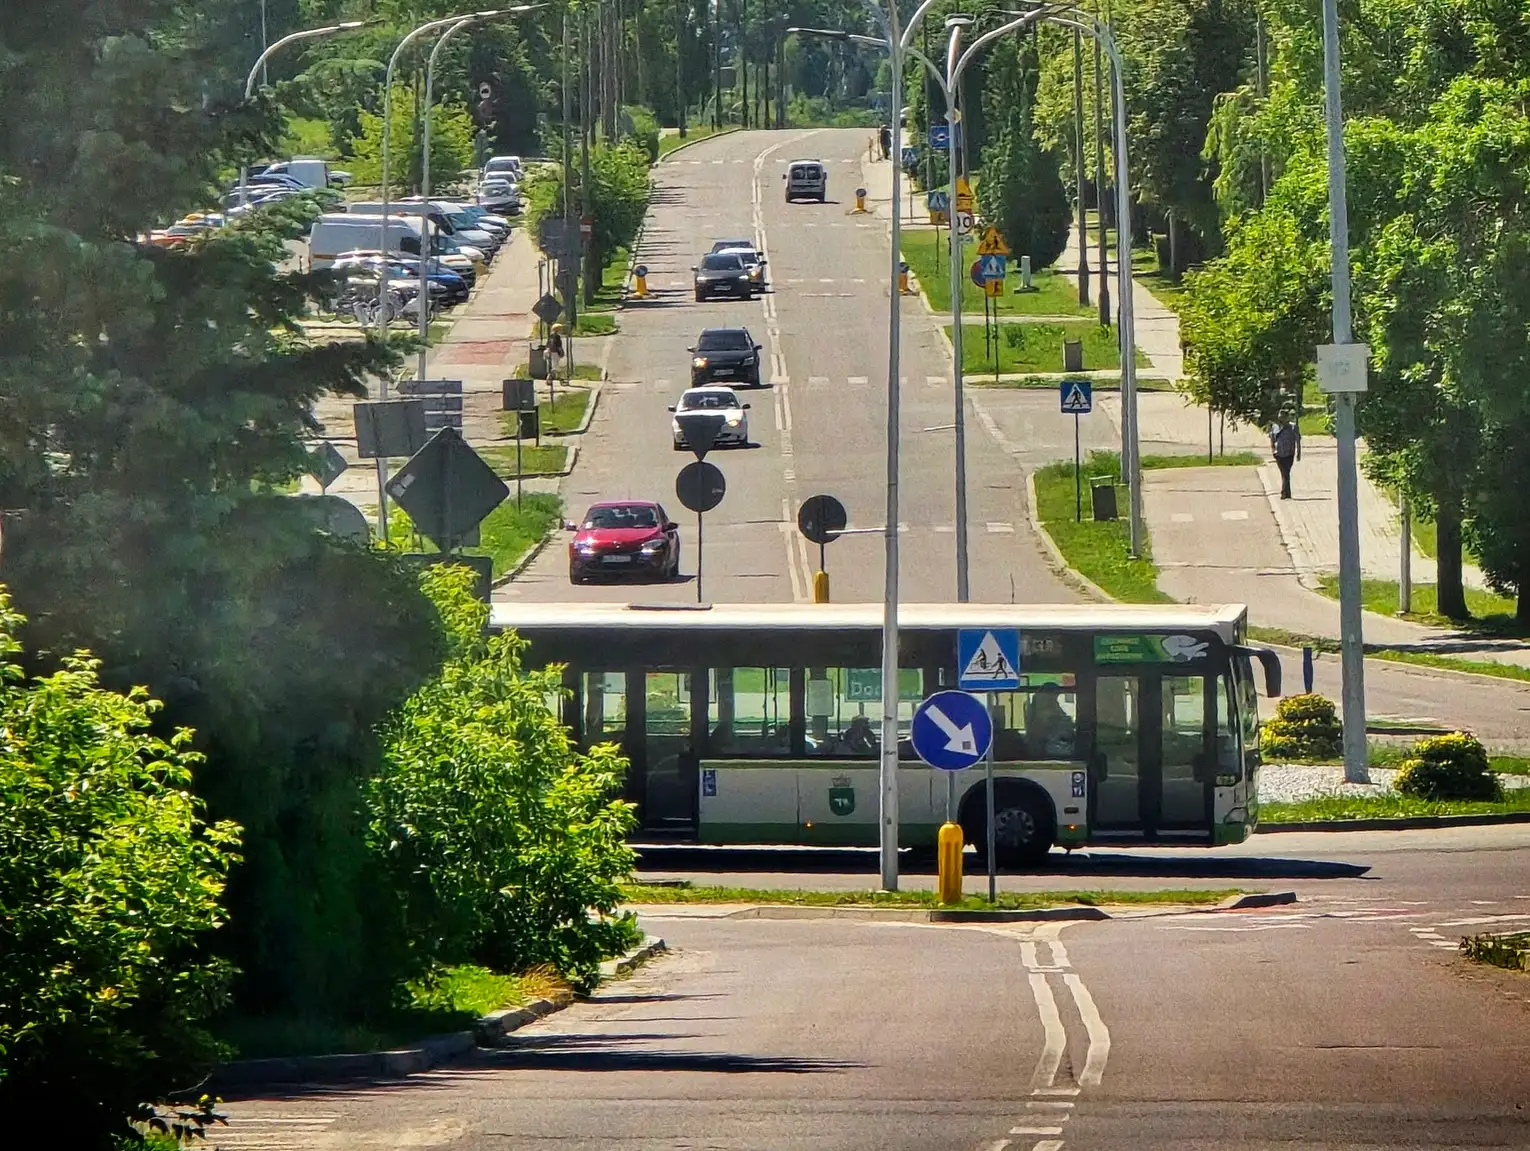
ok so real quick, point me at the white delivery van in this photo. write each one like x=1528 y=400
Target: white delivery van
x=806 y=180
x=311 y=170
x=336 y=232
x=447 y=219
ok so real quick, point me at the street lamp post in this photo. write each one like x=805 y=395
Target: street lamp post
x=259 y=66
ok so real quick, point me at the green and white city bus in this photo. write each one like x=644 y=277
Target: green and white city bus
x=760 y=724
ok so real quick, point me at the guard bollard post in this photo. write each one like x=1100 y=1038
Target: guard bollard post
x=1307 y=670
x=820 y=587
x=903 y=288
x=860 y=201
x=640 y=281
x=950 y=853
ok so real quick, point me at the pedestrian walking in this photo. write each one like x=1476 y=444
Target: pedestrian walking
x=1286 y=444
x=885 y=136
x=554 y=351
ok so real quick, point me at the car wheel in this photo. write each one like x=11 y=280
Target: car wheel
x=573 y=575
x=674 y=564
x=700 y=296
x=679 y=447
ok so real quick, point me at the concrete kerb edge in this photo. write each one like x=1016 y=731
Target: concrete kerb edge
x=1055 y=557
x=1256 y=899
x=697 y=140
x=1407 y=823
x=1375 y=656
x=428 y=1053
x=919 y=914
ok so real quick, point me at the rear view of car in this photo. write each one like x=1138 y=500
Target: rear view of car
x=806 y=180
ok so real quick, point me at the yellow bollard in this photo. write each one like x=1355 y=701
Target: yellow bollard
x=640 y=281
x=950 y=854
x=903 y=286
x=820 y=587
x=641 y=286
x=860 y=200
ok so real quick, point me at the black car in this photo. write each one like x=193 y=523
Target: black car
x=725 y=354
x=722 y=274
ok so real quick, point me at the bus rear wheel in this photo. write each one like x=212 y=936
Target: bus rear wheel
x=1023 y=828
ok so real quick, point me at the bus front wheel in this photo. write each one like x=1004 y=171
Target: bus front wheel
x=1023 y=826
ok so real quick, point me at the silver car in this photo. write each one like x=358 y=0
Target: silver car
x=713 y=400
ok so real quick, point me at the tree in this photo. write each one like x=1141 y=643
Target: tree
x=110 y=878
x=451 y=145
x=1021 y=191
x=502 y=838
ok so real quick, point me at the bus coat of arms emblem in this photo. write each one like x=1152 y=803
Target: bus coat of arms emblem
x=841 y=795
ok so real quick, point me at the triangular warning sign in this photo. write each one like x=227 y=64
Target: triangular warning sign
x=989 y=661
x=1074 y=399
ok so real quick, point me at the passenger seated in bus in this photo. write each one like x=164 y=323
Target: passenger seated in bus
x=858 y=738
x=1048 y=728
x=720 y=741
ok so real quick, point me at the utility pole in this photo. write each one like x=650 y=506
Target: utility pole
x=716 y=65
x=1078 y=166
x=1099 y=185
x=680 y=97
x=569 y=306
x=1345 y=366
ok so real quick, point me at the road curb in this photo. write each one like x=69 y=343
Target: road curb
x=1056 y=559
x=1256 y=899
x=919 y=914
x=589 y=414
x=1408 y=823
x=698 y=140
x=427 y=1053
x=525 y=561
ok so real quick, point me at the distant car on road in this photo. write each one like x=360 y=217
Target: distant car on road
x=722 y=273
x=725 y=354
x=806 y=180
x=718 y=400
x=633 y=537
x=755 y=262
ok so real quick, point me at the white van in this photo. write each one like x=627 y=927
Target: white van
x=312 y=171
x=806 y=180
x=337 y=232
x=448 y=221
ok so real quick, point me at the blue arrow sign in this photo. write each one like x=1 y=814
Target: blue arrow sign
x=988 y=659
x=1077 y=397
x=992 y=267
x=938 y=201
x=951 y=730
x=940 y=136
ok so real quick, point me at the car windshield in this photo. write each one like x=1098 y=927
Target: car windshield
x=729 y=245
x=621 y=517
x=707 y=401
x=747 y=255
x=724 y=340
x=721 y=263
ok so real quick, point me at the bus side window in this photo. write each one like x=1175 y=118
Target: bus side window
x=749 y=712
x=852 y=699
x=605 y=707
x=1038 y=722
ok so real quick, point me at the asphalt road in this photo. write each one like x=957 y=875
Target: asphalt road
x=1348 y=1020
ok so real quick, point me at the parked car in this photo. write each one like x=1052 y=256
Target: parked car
x=453 y=289
x=449 y=223
x=633 y=537
x=310 y=171
x=501 y=196
x=510 y=166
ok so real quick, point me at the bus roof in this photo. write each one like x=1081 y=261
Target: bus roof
x=1223 y=619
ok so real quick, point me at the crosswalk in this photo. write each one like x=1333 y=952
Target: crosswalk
x=744 y=160
x=250 y=1129
x=1429 y=924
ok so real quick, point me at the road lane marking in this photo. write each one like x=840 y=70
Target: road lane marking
x=1048 y=1145
x=1094 y=1027
x=818 y=381
x=1235 y=515
x=999 y=529
x=1037 y=1131
x=935 y=381
x=1049 y=1105
x=1182 y=518
x=1056 y=1037
x=857 y=380
x=1480 y=919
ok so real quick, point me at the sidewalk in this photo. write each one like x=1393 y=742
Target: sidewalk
x=488 y=339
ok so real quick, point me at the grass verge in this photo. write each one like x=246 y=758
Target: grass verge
x=585 y=371
x=668 y=144
x=1393 y=755
x=1510 y=951
x=1228 y=460
x=1024 y=347
x=1491 y=613
x=559 y=418
x=448 y=1000
x=536 y=459
x=1387 y=806
x=1054 y=295
x=613 y=277
x=504 y=535
x=1098 y=551
x=1050 y=383
x=1014 y=900
x=595 y=324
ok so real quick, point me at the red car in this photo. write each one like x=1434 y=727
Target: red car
x=633 y=537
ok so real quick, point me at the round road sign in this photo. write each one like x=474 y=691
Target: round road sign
x=700 y=486
x=975 y=273
x=951 y=730
x=860 y=193
x=821 y=519
x=964 y=223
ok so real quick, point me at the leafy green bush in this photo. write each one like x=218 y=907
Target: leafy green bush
x=645 y=130
x=500 y=837
x=1304 y=727
x=1453 y=766
x=109 y=878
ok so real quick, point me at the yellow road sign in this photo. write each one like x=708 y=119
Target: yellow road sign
x=963 y=195
x=938 y=217
x=994 y=287
x=992 y=244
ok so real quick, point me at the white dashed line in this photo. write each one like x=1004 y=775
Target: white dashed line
x=1235 y=515
x=1182 y=518
x=817 y=381
x=1001 y=529
x=857 y=380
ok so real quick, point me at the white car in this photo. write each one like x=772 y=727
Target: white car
x=713 y=400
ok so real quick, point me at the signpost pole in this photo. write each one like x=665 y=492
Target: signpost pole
x=1078 y=484
x=517 y=461
x=698 y=557
x=988 y=783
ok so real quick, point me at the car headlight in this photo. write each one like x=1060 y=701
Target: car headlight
x=699 y=362
x=584 y=547
x=653 y=547
x=745 y=276
x=733 y=420
x=749 y=361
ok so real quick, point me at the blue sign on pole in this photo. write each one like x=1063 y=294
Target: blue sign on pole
x=1077 y=397
x=992 y=267
x=910 y=155
x=988 y=659
x=938 y=201
x=951 y=730
x=940 y=136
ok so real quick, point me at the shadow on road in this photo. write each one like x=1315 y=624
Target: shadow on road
x=605 y=1053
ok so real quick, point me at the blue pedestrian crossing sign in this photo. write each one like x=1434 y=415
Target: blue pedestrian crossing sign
x=951 y=730
x=987 y=659
x=938 y=200
x=992 y=267
x=1077 y=397
x=909 y=155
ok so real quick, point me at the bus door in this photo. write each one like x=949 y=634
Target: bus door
x=651 y=714
x=1150 y=778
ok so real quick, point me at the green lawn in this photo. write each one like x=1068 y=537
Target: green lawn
x=582 y=371
x=595 y=324
x=1386 y=806
x=505 y=533
x=1020 y=900
x=1286 y=638
x=1027 y=347
x=449 y=1001
x=1425 y=535
x=1054 y=296
x=1316 y=418
x=1490 y=612
x=1098 y=551
x=668 y=144
x=613 y=278
x=558 y=418
x=544 y=459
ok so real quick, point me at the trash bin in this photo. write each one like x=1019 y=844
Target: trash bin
x=537 y=368
x=1073 y=355
x=1102 y=497
x=529 y=427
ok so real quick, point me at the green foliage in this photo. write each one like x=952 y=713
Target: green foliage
x=1303 y=727
x=1453 y=766
x=110 y=877
x=645 y=130
x=1021 y=191
x=1511 y=951
x=502 y=838
x=451 y=145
